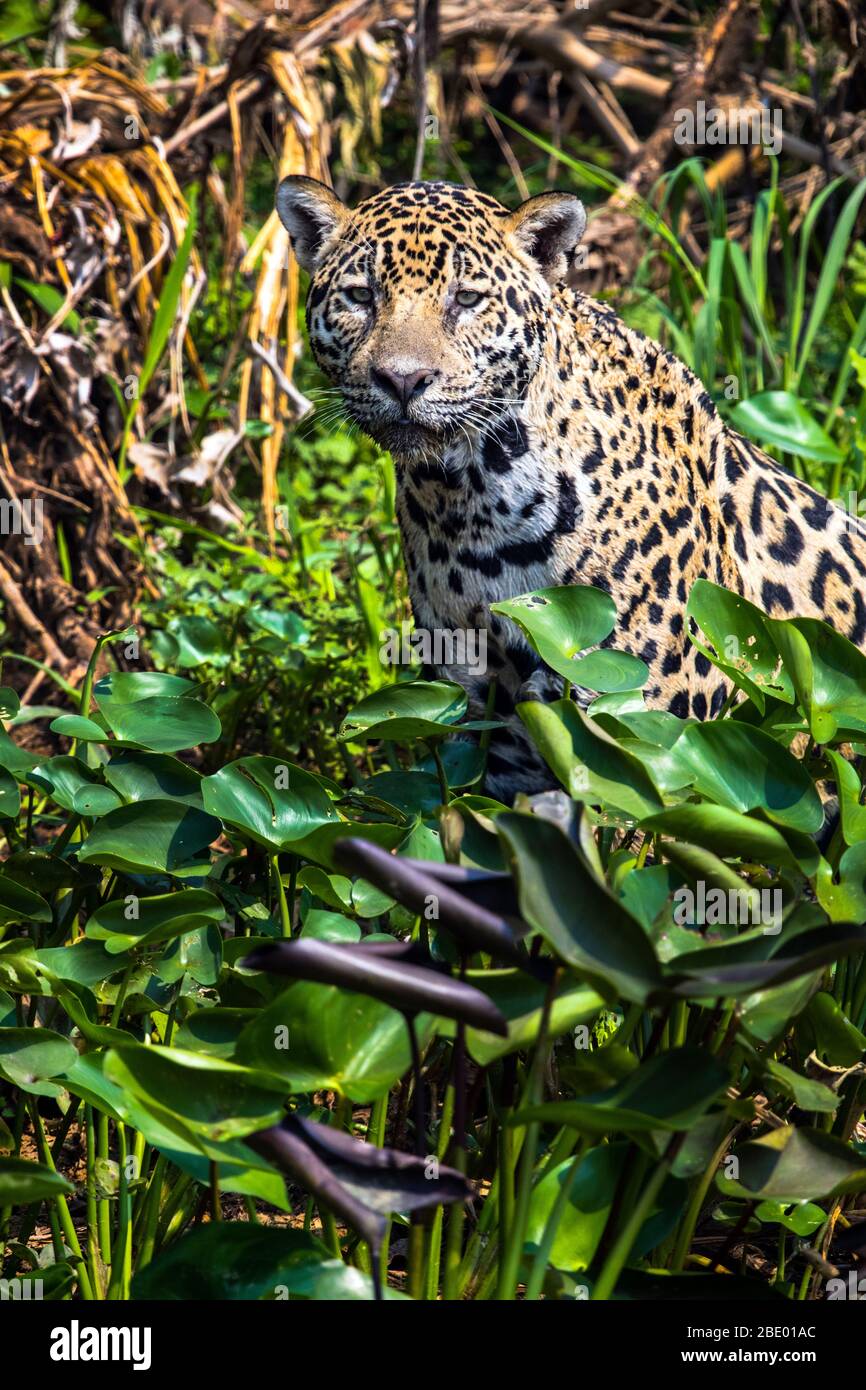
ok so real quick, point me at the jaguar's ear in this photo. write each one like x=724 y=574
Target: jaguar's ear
x=548 y=228
x=311 y=214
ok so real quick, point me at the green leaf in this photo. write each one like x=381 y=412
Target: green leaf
x=163 y=723
x=320 y=1037
x=592 y=1189
x=279 y=623
x=803 y=1218
x=74 y=786
x=240 y=1170
x=232 y=1261
x=792 y=1164
x=10 y=797
x=22 y=1182
x=780 y=419
x=85 y=963
x=828 y=672
x=738 y=640
x=29 y=1055
x=142 y=922
x=521 y=998
x=590 y=764
x=210 y=1096
x=730 y=833
x=215 y=1031
x=333 y=889
x=842 y=893
x=163 y=321
x=150 y=837
x=199 y=642
x=10 y=704
x=747 y=770
x=669 y=1092
x=850 y=790
x=75 y=726
x=587 y=927
x=330 y=926
x=560 y=623
x=50 y=300
x=20 y=904
x=414 y=709
x=830 y=1033
x=273 y=802
x=140 y=776
x=806 y=1093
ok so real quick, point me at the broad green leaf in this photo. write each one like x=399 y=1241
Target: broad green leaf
x=10 y=705
x=74 y=786
x=560 y=623
x=521 y=998
x=803 y=1090
x=318 y=1037
x=330 y=926
x=77 y=727
x=233 y=1261
x=738 y=640
x=850 y=790
x=240 y=1169
x=731 y=833
x=86 y=963
x=747 y=770
x=842 y=893
x=586 y=926
x=273 y=802
x=215 y=1031
x=414 y=709
x=780 y=419
x=20 y=904
x=803 y=1218
x=829 y=674
x=282 y=623
x=130 y=687
x=150 y=837
x=28 y=1056
x=669 y=1092
x=793 y=1164
x=141 y=922
x=208 y=1095
x=140 y=776
x=22 y=1182
x=828 y=1032
x=199 y=641
x=588 y=762
x=163 y=723
x=10 y=797
x=592 y=1188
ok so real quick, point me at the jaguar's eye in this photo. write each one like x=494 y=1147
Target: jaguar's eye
x=467 y=299
x=359 y=294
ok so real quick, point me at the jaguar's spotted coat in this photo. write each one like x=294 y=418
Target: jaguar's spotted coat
x=539 y=441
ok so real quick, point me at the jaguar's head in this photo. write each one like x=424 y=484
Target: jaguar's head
x=428 y=303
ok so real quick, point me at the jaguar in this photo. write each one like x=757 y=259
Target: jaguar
x=539 y=441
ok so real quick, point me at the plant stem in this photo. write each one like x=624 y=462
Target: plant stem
x=509 y=1268
x=690 y=1220
x=542 y=1255
x=285 y=915
x=622 y=1246
x=61 y=1209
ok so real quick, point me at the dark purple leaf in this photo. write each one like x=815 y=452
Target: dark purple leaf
x=410 y=988
x=414 y=883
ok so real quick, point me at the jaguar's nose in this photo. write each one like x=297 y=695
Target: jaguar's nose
x=403 y=386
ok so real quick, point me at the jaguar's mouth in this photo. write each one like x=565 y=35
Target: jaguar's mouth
x=405 y=437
